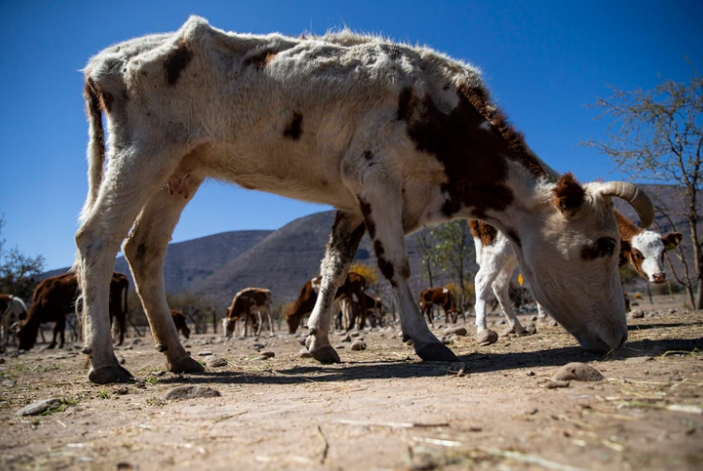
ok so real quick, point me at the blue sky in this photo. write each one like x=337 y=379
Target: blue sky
x=543 y=61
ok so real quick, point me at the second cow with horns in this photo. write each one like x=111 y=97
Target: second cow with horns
x=394 y=136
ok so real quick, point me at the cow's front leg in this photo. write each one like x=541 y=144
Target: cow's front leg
x=346 y=234
x=501 y=289
x=381 y=204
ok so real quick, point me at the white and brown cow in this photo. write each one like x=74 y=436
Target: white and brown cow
x=12 y=311
x=394 y=136
x=643 y=249
x=248 y=306
x=441 y=297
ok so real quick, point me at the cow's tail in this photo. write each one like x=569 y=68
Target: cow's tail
x=95 y=154
x=96 y=145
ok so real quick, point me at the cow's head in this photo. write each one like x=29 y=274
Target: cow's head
x=645 y=252
x=228 y=326
x=27 y=335
x=568 y=246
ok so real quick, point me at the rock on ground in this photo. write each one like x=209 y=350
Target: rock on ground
x=461 y=331
x=38 y=407
x=358 y=345
x=577 y=372
x=190 y=392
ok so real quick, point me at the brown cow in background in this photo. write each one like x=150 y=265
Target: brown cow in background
x=180 y=320
x=248 y=305
x=55 y=298
x=352 y=291
x=118 y=305
x=441 y=297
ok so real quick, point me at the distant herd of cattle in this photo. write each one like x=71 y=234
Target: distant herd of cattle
x=57 y=297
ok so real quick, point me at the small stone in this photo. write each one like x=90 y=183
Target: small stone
x=38 y=407
x=448 y=339
x=140 y=384
x=636 y=314
x=258 y=346
x=304 y=353
x=637 y=360
x=486 y=337
x=136 y=341
x=577 y=372
x=124 y=466
x=158 y=373
x=122 y=361
x=555 y=384
x=501 y=322
x=673 y=311
x=127 y=347
x=214 y=362
x=355 y=334
x=205 y=354
x=533 y=318
x=339 y=347
x=460 y=331
x=268 y=354
x=190 y=392
x=530 y=373
x=358 y=345
x=652 y=314
x=121 y=390
x=346 y=338
x=2 y=361
x=554 y=323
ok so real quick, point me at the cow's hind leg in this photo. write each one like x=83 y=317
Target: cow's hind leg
x=346 y=234
x=145 y=249
x=381 y=203
x=134 y=174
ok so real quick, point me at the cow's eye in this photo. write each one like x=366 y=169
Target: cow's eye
x=639 y=256
x=606 y=245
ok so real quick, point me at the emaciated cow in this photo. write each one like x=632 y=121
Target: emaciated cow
x=643 y=249
x=12 y=310
x=248 y=305
x=441 y=297
x=351 y=291
x=394 y=136
x=179 y=320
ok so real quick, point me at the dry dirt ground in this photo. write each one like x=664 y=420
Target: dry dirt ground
x=380 y=409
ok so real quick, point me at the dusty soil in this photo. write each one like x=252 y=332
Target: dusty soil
x=381 y=409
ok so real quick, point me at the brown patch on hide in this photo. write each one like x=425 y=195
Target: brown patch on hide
x=366 y=211
x=295 y=128
x=603 y=247
x=471 y=155
x=519 y=151
x=672 y=240
x=568 y=194
x=483 y=231
x=176 y=62
x=260 y=59
x=386 y=267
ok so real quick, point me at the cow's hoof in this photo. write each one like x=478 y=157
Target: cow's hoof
x=326 y=355
x=185 y=365
x=110 y=374
x=486 y=337
x=436 y=352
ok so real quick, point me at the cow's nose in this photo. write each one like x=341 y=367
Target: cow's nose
x=659 y=278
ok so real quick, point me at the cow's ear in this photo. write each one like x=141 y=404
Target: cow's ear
x=568 y=195
x=672 y=240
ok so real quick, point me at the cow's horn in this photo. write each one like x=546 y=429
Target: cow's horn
x=633 y=195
